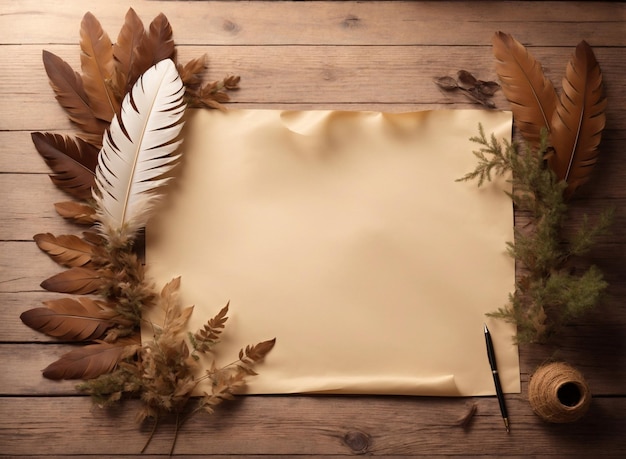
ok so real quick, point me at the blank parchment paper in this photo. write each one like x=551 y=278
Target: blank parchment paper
x=345 y=236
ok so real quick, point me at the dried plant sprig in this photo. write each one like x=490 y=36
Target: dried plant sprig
x=208 y=336
x=549 y=292
x=163 y=373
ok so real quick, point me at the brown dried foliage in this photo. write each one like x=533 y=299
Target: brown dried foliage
x=108 y=72
x=91 y=98
x=162 y=371
x=478 y=91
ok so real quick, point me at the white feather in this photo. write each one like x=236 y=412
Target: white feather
x=138 y=148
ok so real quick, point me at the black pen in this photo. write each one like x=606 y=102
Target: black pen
x=496 y=378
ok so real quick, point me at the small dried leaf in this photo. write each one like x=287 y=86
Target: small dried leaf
x=446 y=82
x=475 y=95
x=231 y=82
x=171 y=288
x=191 y=73
x=257 y=352
x=488 y=88
x=205 y=338
x=176 y=322
x=466 y=79
x=465 y=420
x=212 y=103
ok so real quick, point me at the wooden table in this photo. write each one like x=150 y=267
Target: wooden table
x=339 y=55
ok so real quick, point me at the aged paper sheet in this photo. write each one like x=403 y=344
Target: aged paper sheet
x=345 y=236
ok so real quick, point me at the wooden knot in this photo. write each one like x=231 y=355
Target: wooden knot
x=230 y=26
x=328 y=73
x=351 y=22
x=358 y=442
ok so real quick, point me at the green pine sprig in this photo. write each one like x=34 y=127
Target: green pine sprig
x=551 y=289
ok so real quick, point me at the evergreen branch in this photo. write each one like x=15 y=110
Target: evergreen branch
x=549 y=293
x=499 y=160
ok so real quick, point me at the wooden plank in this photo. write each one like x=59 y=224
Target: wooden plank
x=23 y=267
x=12 y=330
x=26 y=377
x=332 y=75
x=28 y=213
x=320 y=425
x=345 y=23
x=302 y=55
x=606 y=377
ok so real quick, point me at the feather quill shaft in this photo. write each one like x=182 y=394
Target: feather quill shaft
x=578 y=120
x=138 y=150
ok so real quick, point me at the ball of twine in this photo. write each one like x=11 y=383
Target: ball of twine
x=558 y=393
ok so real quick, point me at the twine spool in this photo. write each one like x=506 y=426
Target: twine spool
x=558 y=393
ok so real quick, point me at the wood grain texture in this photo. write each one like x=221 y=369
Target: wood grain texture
x=316 y=426
x=346 y=23
x=325 y=76
x=306 y=55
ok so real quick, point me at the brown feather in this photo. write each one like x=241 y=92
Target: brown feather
x=531 y=94
x=156 y=45
x=79 y=281
x=73 y=162
x=128 y=40
x=67 y=250
x=82 y=214
x=96 y=61
x=91 y=361
x=579 y=119
x=161 y=39
x=69 y=319
x=70 y=93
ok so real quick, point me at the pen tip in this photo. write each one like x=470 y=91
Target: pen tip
x=486 y=329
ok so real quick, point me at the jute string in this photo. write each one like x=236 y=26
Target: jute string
x=558 y=393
